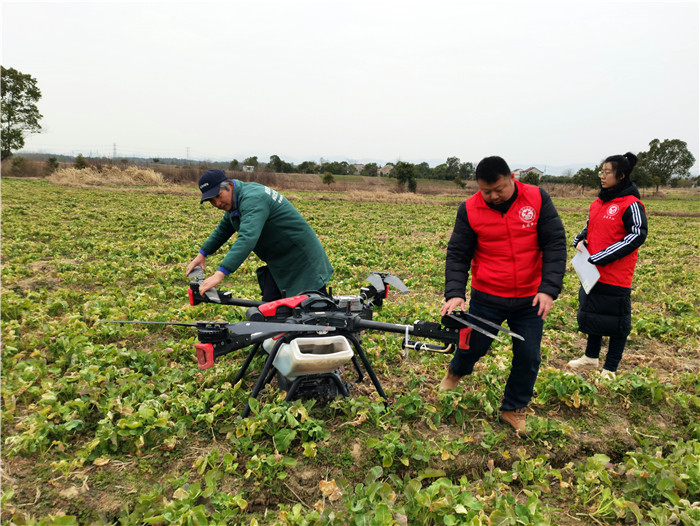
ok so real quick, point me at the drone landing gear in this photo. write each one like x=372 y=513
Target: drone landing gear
x=307 y=385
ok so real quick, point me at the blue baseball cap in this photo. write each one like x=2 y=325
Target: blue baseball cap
x=209 y=183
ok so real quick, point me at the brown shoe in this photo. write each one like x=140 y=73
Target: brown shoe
x=449 y=382
x=516 y=419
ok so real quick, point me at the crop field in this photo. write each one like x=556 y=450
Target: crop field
x=115 y=424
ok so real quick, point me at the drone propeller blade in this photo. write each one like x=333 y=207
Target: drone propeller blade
x=376 y=281
x=150 y=322
x=396 y=282
x=475 y=327
x=494 y=325
x=262 y=327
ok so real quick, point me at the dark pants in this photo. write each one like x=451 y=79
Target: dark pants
x=526 y=354
x=268 y=286
x=615 y=349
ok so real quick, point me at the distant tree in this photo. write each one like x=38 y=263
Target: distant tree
x=19 y=164
x=405 y=174
x=251 y=161
x=664 y=161
x=328 y=179
x=80 y=162
x=440 y=172
x=370 y=170
x=557 y=179
x=51 y=164
x=467 y=171
x=20 y=115
x=278 y=165
x=530 y=178
x=156 y=160
x=412 y=184
x=336 y=168
x=452 y=168
x=234 y=165
x=458 y=181
x=308 y=167
x=587 y=178
x=275 y=163
x=423 y=171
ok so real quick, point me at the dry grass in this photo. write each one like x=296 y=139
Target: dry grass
x=110 y=176
x=380 y=196
x=19 y=167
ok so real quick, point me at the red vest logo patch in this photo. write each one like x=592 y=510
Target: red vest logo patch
x=612 y=210
x=527 y=214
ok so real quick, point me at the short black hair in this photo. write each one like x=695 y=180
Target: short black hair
x=491 y=169
x=622 y=164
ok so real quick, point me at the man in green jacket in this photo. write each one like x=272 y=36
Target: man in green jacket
x=268 y=225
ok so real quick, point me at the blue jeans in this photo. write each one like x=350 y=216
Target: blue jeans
x=526 y=354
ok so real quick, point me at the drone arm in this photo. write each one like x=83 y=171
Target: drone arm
x=218 y=297
x=458 y=337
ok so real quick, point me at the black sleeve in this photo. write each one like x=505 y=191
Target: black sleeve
x=551 y=237
x=582 y=236
x=460 y=251
x=635 y=221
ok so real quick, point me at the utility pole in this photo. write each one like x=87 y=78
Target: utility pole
x=114 y=151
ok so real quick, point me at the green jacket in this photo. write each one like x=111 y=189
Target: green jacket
x=270 y=226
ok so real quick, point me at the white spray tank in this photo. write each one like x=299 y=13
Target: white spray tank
x=315 y=355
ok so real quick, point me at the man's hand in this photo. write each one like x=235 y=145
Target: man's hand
x=580 y=245
x=200 y=261
x=211 y=282
x=545 y=302
x=451 y=304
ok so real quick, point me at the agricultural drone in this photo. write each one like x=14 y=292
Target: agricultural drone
x=309 y=337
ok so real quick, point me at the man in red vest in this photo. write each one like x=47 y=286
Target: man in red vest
x=511 y=237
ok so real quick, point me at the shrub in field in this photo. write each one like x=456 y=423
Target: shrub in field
x=648 y=488
x=110 y=176
x=563 y=386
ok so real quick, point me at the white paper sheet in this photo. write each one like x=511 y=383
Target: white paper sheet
x=587 y=272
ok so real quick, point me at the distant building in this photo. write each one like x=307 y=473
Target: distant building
x=358 y=168
x=248 y=168
x=386 y=170
x=524 y=171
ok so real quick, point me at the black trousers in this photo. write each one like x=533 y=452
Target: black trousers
x=269 y=288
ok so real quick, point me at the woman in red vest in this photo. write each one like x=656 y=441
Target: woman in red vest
x=616 y=228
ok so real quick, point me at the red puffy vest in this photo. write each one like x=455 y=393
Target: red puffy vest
x=605 y=227
x=507 y=259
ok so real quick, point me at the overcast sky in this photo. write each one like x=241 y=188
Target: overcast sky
x=543 y=83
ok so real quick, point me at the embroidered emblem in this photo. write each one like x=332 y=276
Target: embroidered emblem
x=527 y=214
x=613 y=209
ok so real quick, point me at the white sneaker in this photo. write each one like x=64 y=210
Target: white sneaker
x=584 y=361
x=607 y=375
